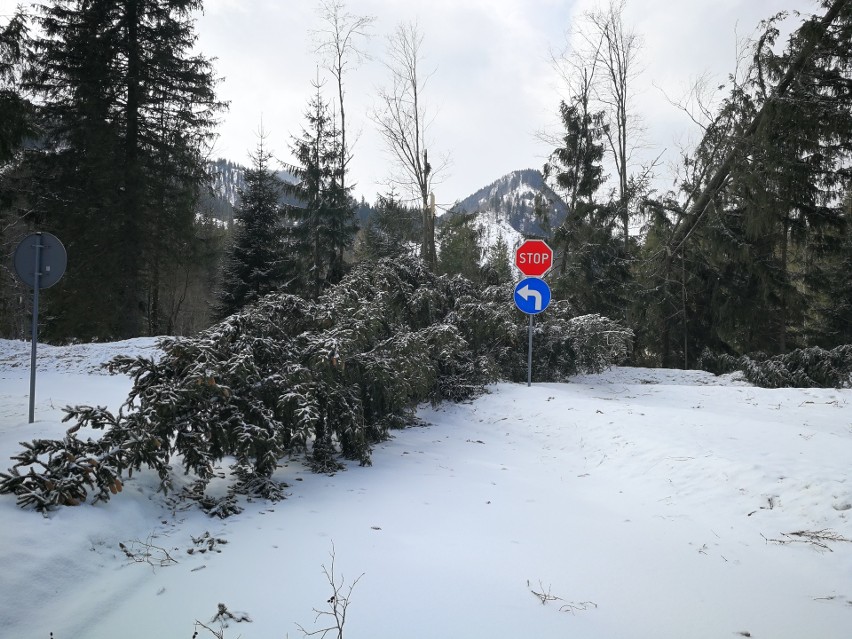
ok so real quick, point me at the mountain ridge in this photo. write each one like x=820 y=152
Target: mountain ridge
x=513 y=207
x=521 y=198
x=222 y=194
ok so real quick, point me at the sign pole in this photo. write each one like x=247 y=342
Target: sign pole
x=34 y=330
x=40 y=271
x=533 y=258
x=529 y=355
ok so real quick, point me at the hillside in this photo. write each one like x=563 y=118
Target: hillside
x=513 y=199
x=222 y=195
x=505 y=208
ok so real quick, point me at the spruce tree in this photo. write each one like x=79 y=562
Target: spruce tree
x=254 y=264
x=829 y=275
x=126 y=108
x=177 y=114
x=78 y=175
x=592 y=271
x=460 y=247
x=322 y=227
x=779 y=223
x=575 y=167
x=673 y=310
x=16 y=124
x=498 y=265
x=390 y=231
x=15 y=111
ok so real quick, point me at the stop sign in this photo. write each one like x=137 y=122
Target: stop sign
x=534 y=258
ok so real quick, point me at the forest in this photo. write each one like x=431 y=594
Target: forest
x=289 y=326
x=107 y=112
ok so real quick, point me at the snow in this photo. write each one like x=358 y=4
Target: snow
x=638 y=503
x=494 y=227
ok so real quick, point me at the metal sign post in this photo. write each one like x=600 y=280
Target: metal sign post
x=40 y=261
x=532 y=296
x=533 y=258
x=34 y=330
x=529 y=355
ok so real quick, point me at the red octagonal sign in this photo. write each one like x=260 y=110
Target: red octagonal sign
x=534 y=258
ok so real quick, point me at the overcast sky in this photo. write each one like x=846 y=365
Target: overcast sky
x=492 y=90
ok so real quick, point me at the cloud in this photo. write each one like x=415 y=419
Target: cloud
x=492 y=90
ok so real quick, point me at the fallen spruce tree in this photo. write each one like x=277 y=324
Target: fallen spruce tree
x=324 y=379
x=802 y=368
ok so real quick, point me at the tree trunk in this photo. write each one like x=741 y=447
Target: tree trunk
x=129 y=253
x=427 y=251
x=154 y=306
x=683 y=310
x=782 y=307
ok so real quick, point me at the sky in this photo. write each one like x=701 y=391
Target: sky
x=493 y=89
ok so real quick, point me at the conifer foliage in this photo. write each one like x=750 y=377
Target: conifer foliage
x=748 y=261
x=460 y=243
x=15 y=112
x=124 y=108
x=391 y=230
x=322 y=227
x=254 y=265
x=802 y=368
x=324 y=378
x=589 y=249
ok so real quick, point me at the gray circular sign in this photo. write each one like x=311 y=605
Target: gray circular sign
x=52 y=260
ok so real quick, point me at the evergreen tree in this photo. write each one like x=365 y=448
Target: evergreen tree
x=255 y=262
x=126 y=108
x=673 y=311
x=320 y=379
x=15 y=111
x=16 y=124
x=748 y=256
x=829 y=265
x=323 y=226
x=779 y=223
x=575 y=167
x=592 y=270
x=807 y=154
x=390 y=231
x=461 y=250
x=177 y=114
x=498 y=265
x=77 y=177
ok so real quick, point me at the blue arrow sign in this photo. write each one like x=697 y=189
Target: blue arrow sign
x=532 y=295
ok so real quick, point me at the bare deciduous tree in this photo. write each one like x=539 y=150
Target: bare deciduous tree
x=338 y=44
x=601 y=62
x=617 y=48
x=402 y=120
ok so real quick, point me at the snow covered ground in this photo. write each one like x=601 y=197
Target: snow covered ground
x=637 y=503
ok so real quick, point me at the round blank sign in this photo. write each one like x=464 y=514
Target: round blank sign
x=51 y=266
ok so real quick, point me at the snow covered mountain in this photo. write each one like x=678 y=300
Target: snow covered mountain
x=506 y=208
x=228 y=179
x=492 y=226
x=512 y=202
